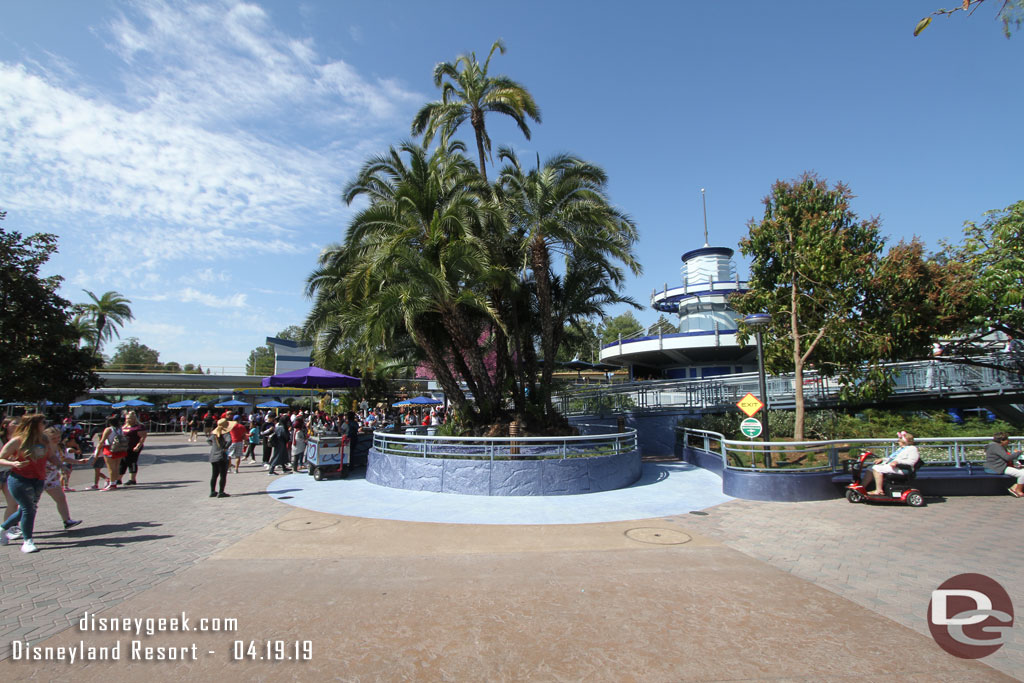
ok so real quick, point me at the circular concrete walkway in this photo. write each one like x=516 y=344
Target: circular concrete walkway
x=663 y=489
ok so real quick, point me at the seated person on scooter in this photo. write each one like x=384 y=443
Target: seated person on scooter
x=906 y=455
x=998 y=460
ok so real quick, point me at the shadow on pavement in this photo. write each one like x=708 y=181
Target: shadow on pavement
x=118 y=542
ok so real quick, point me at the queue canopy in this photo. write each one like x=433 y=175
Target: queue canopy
x=312 y=377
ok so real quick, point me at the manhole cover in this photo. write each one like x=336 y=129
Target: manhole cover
x=306 y=523
x=650 y=534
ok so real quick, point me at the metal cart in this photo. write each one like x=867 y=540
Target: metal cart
x=328 y=456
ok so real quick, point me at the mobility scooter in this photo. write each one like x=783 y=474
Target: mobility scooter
x=896 y=487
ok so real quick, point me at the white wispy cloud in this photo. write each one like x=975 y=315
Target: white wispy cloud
x=189 y=294
x=170 y=167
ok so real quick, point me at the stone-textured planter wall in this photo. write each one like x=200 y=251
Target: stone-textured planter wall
x=504 y=477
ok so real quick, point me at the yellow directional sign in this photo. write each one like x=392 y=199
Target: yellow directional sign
x=750 y=404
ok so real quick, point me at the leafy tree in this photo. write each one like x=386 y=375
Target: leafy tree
x=39 y=354
x=1010 y=12
x=105 y=313
x=579 y=340
x=621 y=326
x=662 y=326
x=835 y=302
x=992 y=259
x=468 y=93
x=133 y=356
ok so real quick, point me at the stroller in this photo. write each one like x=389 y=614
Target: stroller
x=896 y=487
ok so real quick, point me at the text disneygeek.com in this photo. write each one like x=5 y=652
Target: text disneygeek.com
x=139 y=650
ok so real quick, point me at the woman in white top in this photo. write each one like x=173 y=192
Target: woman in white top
x=905 y=455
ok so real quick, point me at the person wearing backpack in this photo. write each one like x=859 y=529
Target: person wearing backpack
x=114 y=446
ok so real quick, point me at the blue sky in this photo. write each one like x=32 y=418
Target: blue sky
x=191 y=155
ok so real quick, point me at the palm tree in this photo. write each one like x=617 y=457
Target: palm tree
x=562 y=207
x=106 y=313
x=469 y=93
x=410 y=267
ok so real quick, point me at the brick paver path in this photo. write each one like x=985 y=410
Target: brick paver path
x=887 y=558
x=161 y=531
x=130 y=539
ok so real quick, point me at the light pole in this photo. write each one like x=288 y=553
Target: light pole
x=758 y=321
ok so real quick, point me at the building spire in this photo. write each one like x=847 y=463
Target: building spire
x=705 y=203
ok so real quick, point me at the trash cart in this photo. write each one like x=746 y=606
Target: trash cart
x=328 y=456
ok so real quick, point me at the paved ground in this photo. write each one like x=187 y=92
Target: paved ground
x=664 y=488
x=747 y=591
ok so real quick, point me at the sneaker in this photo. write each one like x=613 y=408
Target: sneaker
x=94 y=487
x=72 y=522
x=68 y=489
x=109 y=487
x=29 y=547
x=266 y=467
x=223 y=495
x=14 y=533
x=213 y=494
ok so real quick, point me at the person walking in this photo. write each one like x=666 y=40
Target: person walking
x=281 y=438
x=193 y=428
x=219 y=441
x=298 y=444
x=6 y=434
x=25 y=455
x=254 y=438
x=114 y=446
x=136 y=434
x=55 y=463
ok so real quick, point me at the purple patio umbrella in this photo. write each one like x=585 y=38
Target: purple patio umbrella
x=312 y=377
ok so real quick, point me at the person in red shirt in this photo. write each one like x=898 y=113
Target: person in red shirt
x=26 y=455
x=238 y=433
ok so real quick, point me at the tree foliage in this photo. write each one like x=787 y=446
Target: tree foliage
x=468 y=93
x=104 y=314
x=622 y=326
x=39 y=354
x=991 y=261
x=1010 y=13
x=837 y=304
x=133 y=356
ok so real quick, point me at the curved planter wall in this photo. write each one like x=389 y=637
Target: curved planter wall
x=504 y=477
x=784 y=487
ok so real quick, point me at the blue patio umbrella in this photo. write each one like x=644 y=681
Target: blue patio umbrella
x=186 y=404
x=272 y=404
x=423 y=401
x=89 y=402
x=230 y=404
x=133 y=403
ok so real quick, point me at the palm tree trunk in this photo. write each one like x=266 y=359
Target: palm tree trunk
x=477 y=119
x=541 y=275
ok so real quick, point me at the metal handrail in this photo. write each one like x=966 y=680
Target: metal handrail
x=959 y=451
x=518 y=447
x=915 y=378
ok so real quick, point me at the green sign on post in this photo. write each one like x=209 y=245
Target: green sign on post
x=751 y=428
